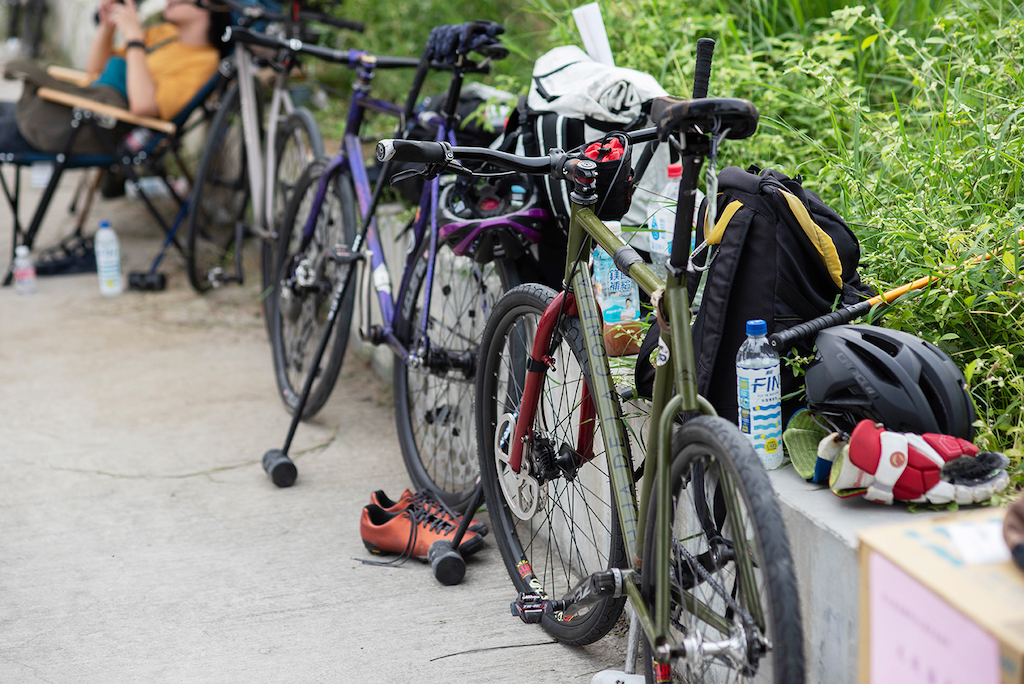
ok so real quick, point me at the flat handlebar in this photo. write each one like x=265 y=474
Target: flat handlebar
x=553 y=164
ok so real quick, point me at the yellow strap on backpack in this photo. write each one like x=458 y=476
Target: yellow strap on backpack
x=819 y=238
x=715 y=237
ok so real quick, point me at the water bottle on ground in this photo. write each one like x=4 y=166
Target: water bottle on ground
x=108 y=260
x=663 y=222
x=24 y=271
x=759 y=391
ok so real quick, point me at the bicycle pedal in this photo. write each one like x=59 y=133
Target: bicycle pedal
x=343 y=255
x=529 y=608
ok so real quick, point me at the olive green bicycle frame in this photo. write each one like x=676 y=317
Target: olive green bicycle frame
x=679 y=371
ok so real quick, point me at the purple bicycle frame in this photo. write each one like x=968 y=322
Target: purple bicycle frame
x=351 y=150
x=350 y=158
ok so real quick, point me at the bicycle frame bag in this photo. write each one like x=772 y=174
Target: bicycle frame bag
x=574 y=100
x=776 y=252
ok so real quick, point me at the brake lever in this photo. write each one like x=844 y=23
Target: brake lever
x=458 y=169
x=411 y=173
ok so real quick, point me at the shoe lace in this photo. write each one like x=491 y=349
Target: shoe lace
x=420 y=517
x=431 y=505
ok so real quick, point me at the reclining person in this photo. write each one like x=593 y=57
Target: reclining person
x=157 y=72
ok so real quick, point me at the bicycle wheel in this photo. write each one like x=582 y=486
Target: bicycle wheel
x=220 y=199
x=297 y=145
x=434 y=393
x=726 y=526
x=305 y=284
x=552 y=530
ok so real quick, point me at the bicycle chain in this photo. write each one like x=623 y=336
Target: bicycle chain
x=745 y=617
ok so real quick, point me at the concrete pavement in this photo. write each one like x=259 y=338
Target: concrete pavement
x=140 y=540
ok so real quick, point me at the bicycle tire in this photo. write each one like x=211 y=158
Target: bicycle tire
x=433 y=400
x=298 y=315
x=702 y=450
x=298 y=144
x=545 y=546
x=221 y=196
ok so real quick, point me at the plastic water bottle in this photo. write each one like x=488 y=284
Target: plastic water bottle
x=617 y=295
x=759 y=391
x=663 y=222
x=619 y=299
x=24 y=271
x=108 y=260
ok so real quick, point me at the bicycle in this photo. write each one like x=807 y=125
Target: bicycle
x=701 y=553
x=445 y=295
x=242 y=159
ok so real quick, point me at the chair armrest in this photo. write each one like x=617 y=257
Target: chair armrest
x=107 y=110
x=79 y=78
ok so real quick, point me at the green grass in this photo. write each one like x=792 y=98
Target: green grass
x=907 y=118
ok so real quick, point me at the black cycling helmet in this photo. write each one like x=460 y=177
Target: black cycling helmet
x=476 y=215
x=890 y=377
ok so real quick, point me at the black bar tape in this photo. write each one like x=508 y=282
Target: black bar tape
x=249 y=36
x=625 y=257
x=397 y=62
x=786 y=338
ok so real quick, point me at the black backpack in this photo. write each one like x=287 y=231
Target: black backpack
x=777 y=252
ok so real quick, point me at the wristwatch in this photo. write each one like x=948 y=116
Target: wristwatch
x=134 y=44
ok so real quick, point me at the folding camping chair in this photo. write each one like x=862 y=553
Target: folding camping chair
x=146 y=147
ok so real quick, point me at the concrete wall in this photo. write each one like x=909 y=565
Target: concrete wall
x=388 y=227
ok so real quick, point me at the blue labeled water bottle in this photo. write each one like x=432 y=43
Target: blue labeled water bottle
x=759 y=391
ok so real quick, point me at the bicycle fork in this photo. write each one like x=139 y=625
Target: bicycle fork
x=596 y=403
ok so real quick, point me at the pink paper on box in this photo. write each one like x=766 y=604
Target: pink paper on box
x=917 y=638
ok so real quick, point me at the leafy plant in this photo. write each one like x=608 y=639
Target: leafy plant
x=904 y=116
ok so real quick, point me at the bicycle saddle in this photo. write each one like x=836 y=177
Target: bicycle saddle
x=739 y=116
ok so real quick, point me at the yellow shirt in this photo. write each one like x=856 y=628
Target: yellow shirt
x=178 y=71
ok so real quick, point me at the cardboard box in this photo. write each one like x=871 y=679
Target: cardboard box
x=935 y=608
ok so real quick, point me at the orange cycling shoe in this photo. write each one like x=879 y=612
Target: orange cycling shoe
x=410 y=532
x=424 y=499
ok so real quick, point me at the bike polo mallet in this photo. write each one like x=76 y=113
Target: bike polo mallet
x=785 y=339
x=276 y=463
x=278 y=466
x=443 y=555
